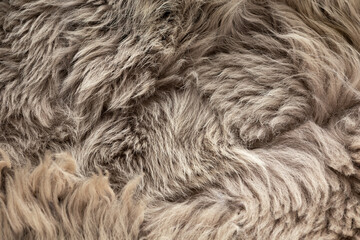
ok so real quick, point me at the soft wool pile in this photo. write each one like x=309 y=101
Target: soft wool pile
x=180 y=119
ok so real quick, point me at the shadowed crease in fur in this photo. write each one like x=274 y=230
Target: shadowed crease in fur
x=241 y=117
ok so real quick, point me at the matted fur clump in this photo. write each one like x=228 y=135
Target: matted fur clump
x=180 y=119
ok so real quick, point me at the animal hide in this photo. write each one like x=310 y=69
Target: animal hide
x=180 y=119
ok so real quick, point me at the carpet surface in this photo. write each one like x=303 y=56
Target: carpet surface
x=180 y=119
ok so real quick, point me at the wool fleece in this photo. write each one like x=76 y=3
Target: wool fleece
x=179 y=119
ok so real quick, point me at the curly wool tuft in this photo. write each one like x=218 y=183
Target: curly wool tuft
x=213 y=119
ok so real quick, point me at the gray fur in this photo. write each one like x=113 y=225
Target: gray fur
x=215 y=119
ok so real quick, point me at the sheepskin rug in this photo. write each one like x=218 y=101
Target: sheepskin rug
x=180 y=119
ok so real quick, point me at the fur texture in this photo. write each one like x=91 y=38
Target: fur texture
x=213 y=119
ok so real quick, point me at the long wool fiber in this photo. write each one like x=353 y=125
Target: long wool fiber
x=180 y=119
